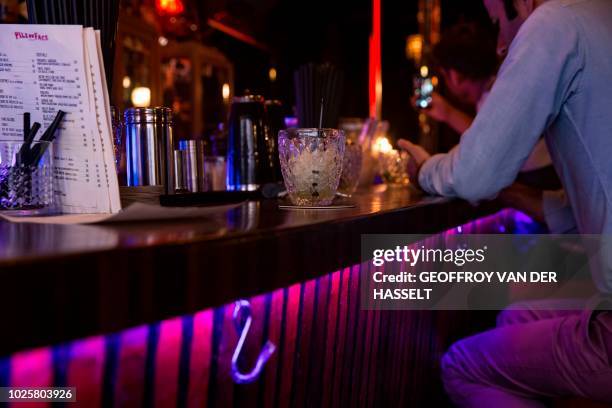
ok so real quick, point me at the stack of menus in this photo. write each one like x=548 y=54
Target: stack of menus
x=46 y=68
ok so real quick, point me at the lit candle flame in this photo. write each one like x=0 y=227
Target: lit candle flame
x=382 y=145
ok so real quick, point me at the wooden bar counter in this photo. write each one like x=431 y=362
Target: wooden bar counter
x=61 y=283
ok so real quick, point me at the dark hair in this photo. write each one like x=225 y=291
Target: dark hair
x=469 y=49
x=511 y=12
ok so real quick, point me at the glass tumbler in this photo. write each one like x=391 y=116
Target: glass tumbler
x=311 y=163
x=351 y=168
x=394 y=167
x=215 y=171
x=26 y=178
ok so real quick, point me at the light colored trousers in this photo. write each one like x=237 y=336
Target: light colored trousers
x=531 y=356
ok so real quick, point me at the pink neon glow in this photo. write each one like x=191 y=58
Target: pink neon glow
x=87 y=360
x=201 y=351
x=86 y=370
x=130 y=372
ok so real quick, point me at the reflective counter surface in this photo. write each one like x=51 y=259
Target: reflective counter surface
x=62 y=282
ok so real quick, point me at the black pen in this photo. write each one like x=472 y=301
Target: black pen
x=49 y=134
x=40 y=148
x=24 y=152
x=26 y=125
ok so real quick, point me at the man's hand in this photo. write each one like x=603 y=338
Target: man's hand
x=418 y=156
x=524 y=198
x=442 y=111
x=439 y=109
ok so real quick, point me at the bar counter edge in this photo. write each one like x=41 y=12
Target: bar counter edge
x=58 y=297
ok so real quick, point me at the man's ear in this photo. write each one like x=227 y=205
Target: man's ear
x=524 y=8
x=455 y=77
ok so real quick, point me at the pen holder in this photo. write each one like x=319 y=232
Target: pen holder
x=26 y=183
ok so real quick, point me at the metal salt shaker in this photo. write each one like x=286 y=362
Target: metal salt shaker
x=150 y=148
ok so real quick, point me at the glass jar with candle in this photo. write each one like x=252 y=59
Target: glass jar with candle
x=394 y=167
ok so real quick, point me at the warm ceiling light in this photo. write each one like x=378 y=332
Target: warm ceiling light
x=141 y=97
x=225 y=91
x=272 y=74
x=169 y=7
x=127 y=82
x=414 y=47
x=424 y=71
x=163 y=41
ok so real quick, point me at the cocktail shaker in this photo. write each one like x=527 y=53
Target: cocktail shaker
x=249 y=157
x=150 y=148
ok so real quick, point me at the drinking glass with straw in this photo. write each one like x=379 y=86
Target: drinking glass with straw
x=311 y=163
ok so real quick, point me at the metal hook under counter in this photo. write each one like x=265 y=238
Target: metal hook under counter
x=243 y=306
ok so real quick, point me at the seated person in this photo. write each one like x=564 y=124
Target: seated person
x=554 y=81
x=466 y=59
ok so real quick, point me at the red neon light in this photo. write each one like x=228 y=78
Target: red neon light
x=169 y=7
x=375 y=75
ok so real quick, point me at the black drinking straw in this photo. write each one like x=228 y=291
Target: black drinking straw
x=51 y=13
x=298 y=94
x=42 y=10
x=49 y=134
x=91 y=22
x=325 y=86
x=39 y=149
x=24 y=152
x=314 y=83
x=98 y=15
x=310 y=106
x=26 y=125
x=75 y=10
x=321 y=114
x=31 y=135
x=54 y=15
x=308 y=97
x=64 y=8
x=32 y=18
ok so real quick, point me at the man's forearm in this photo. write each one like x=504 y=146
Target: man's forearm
x=525 y=199
x=458 y=120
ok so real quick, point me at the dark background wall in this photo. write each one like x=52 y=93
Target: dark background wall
x=399 y=21
x=297 y=31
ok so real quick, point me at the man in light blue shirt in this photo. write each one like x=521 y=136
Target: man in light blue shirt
x=556 y=80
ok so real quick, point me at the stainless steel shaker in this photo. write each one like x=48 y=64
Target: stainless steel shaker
x=193 y=167
x=150 y=148
x=249 y=145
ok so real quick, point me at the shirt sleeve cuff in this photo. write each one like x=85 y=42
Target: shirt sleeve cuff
x=426 y=175
x=558 y=213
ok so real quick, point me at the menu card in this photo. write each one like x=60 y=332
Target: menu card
x=46 y=68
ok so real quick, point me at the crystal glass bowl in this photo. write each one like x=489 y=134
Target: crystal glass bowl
x=311 y=162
